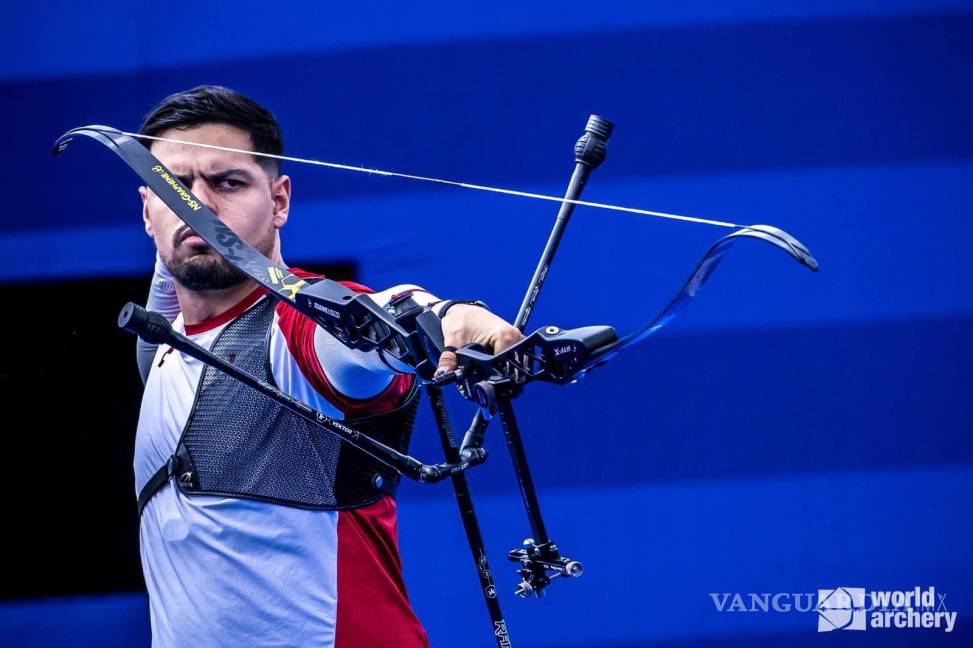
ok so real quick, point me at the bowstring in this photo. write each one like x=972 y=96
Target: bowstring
x=442 y=181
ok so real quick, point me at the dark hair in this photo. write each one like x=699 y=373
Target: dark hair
x=218 y=105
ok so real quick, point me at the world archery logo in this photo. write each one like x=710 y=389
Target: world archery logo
x=842 y=608
x=850 y=608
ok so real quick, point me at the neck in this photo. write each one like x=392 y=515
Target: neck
x=200 y=305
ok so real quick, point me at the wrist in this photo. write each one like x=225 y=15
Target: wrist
x=443 y=307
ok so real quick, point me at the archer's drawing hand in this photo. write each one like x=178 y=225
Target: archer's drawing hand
x=466 y=324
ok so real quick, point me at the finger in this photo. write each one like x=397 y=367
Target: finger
x=447 y=361
x=508 y=337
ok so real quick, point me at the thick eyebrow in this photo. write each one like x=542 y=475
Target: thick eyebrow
x=226 y=173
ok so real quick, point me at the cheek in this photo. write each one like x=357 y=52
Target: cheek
x=261 y=211
x=267 y=204
x=162 y=222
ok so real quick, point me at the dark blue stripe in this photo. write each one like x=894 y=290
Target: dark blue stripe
x=687 y=100
x=746 y=404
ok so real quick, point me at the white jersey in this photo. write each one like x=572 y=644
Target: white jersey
x=236 y=572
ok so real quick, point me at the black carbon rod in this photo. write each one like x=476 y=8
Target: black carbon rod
x=514 y=441
x=589 y=152
x=467 y=513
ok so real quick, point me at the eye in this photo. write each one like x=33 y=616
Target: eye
x=231 y=183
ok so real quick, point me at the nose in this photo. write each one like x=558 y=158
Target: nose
x=202 y=191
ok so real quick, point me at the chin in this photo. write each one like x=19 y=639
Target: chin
x=206 y=270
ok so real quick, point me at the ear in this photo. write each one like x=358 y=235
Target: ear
x=145 y=193
x=280 y=192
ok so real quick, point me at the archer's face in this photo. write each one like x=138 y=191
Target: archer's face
x=235 y=188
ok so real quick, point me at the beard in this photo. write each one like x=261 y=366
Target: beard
x=200 y=268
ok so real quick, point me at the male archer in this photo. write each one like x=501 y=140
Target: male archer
x=256 y=528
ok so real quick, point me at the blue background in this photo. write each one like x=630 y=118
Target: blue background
x=789 y=432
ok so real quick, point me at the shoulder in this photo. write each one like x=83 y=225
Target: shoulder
x=291 y=318
x=308 y=363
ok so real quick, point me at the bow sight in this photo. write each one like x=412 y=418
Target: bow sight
x=412 y=334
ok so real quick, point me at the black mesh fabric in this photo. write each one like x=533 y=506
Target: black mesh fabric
x=240 y=443
x=357 y=471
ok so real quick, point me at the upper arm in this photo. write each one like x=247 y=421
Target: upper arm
x=313 y=366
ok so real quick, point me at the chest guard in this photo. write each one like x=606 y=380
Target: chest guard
x=239 y=443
